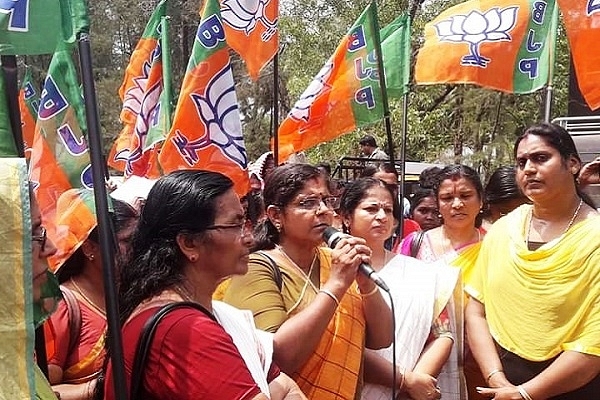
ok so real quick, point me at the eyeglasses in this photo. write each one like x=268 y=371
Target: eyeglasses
x=314 y=203
x=41 y=238
x=244 y=227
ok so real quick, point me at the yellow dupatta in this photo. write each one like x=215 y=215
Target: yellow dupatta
x=334 y=371
x=16 y=308
x=542 y=302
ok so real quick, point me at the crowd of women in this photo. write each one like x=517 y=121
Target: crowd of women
x=495 y=294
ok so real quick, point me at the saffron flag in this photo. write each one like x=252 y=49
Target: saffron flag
x=497 y=44
x=207 y=131
x=344 y=95
x=251 y=30
x=7 y=140
x=38 y=26
x=143 y=113
x=59 y=158
x=582 y=23
x=29 y=102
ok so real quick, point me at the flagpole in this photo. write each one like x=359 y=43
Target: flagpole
x=9 y=67
x=166 y=60
x=106 y=237
x=551 y=56
x=275 y=109
x=384 y=97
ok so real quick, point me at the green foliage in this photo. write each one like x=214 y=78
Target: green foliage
x=443 y=121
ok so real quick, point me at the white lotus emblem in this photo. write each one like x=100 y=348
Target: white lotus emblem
x=301 y=110
x=593 y=6
x=243 y=15
x=476 y=28
x=218 y=111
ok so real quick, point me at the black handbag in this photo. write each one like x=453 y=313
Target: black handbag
x=145 y=342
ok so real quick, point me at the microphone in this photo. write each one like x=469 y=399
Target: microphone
x=332 y=236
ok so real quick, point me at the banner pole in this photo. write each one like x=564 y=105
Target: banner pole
x=107 y=240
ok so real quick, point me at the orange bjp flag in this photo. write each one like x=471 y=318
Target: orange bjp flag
x=207 y=130
x=251 y=30
x=344 y=95
x=143 y=112
x=498 y=44
x=29 y=101
x=582 y=22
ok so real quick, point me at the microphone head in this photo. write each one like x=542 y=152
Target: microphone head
x=331 y=236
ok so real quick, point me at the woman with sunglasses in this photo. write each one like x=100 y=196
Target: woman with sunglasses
x=322 y=312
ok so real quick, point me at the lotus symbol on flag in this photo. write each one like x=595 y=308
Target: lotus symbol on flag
x=218 y=111
x=476 y=28
x=593 y=6
x=301 y=110
x=243 y=15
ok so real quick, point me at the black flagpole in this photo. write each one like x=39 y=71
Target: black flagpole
x=275 y=110
x=107 y=241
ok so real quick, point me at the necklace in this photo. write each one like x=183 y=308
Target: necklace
x=293 y=263
x=87 y=299
x=573 y=218
x=452 y=247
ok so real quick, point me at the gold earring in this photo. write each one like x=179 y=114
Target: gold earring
x=90 y=257
x=278 y=227
x=193 y=258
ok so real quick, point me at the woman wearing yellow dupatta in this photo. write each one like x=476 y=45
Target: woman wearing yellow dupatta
x=29 y=286
x=534 y=319
x=306 y=294
x=456 y=242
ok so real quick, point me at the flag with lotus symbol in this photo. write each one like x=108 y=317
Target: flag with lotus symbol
x=38 y=26
x=582 y=23
x=207 y=130
x=59 y=156
x=498 y=44
x=344 y=95
x=143 y=113
x=29 y=101
x=251 y=30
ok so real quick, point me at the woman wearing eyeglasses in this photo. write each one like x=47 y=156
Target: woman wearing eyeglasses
x=322 y=312
x=191 y=235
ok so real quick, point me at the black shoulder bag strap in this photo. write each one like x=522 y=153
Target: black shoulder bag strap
x=145 y=342
x=274 y=268
x=415 y=245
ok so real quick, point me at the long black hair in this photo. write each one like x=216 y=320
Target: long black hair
x=181 y=202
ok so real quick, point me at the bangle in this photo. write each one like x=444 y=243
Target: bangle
x=369 y=294
x=330 y=294
x=523 y=393
x=495 y=371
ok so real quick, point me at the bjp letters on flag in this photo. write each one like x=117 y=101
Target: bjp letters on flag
x=582 y=22
x=59 y=156
x=251 y=30
x=345 y=94
x=142 y=111
x=207 y=131
x=497 y=44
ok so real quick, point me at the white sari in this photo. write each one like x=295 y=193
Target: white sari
x=420 y=291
